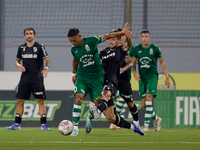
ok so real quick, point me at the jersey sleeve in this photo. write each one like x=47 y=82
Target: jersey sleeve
x=72 y=51
x=134 y=52
x=44 y=52
x=158 y=52
x=19 y=56
x=97 y=39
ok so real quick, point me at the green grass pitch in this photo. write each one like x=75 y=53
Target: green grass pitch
x=99 y=139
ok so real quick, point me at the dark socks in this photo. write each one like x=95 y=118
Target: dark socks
x=18 y=119
x=134 y=112
x=120 y=122
x=43 y=120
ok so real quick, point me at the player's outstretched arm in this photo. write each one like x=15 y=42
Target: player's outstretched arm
x=112 y=35
x=129 y=43
x=116 y=34
x=19 y=66
x=164 y=68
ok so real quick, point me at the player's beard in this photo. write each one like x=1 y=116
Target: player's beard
x=29 y=40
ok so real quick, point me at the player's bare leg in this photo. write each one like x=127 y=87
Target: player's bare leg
x=18 y=117
x=42 y=112
x=107 y=107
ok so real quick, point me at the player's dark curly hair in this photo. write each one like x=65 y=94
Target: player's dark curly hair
x=29 y=28
x=73 y=32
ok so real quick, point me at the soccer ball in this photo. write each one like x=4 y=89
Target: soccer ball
x=65 y=127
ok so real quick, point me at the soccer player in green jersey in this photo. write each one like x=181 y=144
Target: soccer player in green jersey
x=147 y=55
x=87 y=73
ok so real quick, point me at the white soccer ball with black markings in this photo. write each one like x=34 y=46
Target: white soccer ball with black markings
x=65 y=127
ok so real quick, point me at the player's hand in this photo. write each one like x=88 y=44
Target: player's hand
x=21 y=68
x=121 y=70
x=128 y=34
x=44 y=72
x=136 y=76
x=74 y=79
x=167 y=82
x=127 y=27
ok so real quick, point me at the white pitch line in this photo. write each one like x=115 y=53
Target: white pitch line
x=57 y=142
x=84 y=129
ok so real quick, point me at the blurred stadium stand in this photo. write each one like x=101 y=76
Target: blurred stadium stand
x=171 y=23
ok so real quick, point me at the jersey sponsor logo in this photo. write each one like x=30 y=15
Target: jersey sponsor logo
x=139 y=51
x=151 y=51
x=87 y=60
x=145 y=62
x=109 y=55
x=76 y=52
x=35 y=49
x=29 y=55
x=87 y=48
x=85 y=57
x=89 y=63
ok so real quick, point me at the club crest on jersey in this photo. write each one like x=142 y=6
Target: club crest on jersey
x=151 y=51
x=87 y=48
x=23 y=47
x=35 y=49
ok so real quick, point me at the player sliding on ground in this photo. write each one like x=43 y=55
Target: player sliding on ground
x=112 y=58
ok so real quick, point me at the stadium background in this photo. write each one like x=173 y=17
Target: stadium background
x=174 y=27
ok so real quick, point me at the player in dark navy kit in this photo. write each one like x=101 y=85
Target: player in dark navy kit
x=32 y=55
x=112 y=58
x=125 y=94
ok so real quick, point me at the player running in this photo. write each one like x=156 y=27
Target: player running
x=87 y=71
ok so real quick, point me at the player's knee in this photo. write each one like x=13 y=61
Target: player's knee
x=106 y=94
x=40 y=102
x=130 y=104
x=79 y=98
x=20 y=102
x=149 y=97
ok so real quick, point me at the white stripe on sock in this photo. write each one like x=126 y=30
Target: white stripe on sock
x=75 y=114
x=77 y=106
